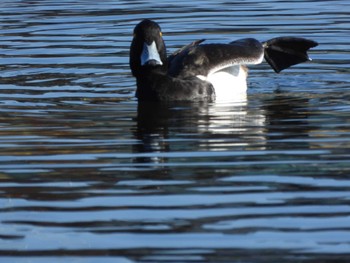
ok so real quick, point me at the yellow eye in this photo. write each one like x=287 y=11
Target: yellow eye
x=160 y=33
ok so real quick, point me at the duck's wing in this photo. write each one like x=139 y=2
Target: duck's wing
x=283 y=52
x=184 y=48
x=280 y=53
x=203 y=60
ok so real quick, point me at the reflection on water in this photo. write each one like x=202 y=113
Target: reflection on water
x=221 y=127
x=87 y=173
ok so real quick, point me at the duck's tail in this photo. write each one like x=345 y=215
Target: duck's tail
x=283 y=52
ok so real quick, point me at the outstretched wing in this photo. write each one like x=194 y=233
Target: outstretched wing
x=209 y=58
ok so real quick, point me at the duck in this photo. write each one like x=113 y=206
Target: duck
x=204 y=72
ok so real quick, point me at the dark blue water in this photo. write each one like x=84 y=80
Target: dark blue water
x=87 y=174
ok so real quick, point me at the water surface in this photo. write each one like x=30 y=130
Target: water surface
x=88 y=174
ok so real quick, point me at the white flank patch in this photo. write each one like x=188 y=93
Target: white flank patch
x=230 y=84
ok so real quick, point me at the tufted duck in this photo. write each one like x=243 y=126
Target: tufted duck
x=204 y=72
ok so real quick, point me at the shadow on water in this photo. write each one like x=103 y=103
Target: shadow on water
x=287 y=117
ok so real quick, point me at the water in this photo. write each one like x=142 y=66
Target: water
x=88 y=174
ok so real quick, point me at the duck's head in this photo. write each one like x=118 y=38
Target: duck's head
x=147 y=50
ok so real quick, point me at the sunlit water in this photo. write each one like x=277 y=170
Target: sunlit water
x=88 y=174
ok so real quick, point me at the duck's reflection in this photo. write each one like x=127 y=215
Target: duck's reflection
x=233 y=126
x=152 y=132
x=167 y=128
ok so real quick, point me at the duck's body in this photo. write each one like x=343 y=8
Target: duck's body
x=204 y=71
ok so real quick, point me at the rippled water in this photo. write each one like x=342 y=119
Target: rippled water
x=88 y=174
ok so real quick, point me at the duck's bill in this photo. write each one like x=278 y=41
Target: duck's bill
x=150 y=55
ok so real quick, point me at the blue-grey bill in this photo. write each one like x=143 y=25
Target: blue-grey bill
x=149 y=53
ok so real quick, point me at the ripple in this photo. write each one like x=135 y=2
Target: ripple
x=86 y=171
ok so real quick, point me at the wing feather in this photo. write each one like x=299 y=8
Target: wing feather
x=208 y=58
